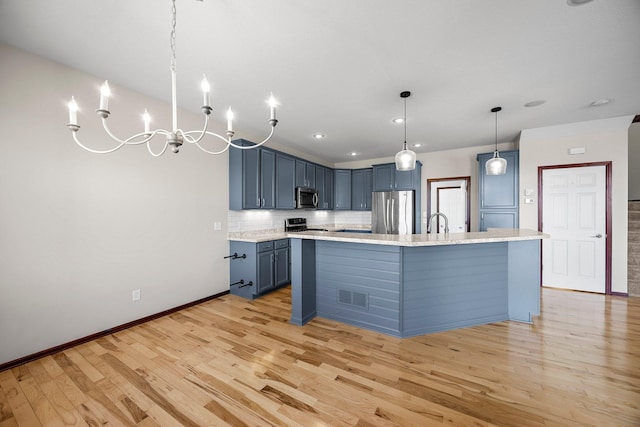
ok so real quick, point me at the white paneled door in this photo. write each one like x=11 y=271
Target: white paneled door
x=574 y=216
x=452 y=202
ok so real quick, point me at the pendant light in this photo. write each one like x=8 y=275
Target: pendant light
x=405 y=159
x=496 y=165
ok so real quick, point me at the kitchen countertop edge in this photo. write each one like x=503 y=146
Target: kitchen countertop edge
x=494 y=235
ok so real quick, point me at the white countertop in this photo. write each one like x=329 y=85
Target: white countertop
x=493 y=235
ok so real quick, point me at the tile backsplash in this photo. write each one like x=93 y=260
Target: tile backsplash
x=259 y=219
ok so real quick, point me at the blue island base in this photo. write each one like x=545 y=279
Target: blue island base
x=407 y=291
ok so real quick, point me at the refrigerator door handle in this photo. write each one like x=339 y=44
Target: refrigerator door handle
x=393 y=222
x=385 y=216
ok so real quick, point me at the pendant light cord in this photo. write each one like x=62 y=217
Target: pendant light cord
x=405 y=123
x=496 y=131
x=496 y=110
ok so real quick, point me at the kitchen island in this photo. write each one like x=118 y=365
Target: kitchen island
x=407 y=285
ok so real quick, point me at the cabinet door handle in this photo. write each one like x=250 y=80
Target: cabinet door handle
x=247 y=284
x=239 y=282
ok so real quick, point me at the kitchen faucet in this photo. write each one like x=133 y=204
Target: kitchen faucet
x=446 y=222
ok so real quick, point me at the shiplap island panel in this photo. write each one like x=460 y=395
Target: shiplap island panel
x=412 y=285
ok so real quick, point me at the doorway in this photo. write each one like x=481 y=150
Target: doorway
x=574 y=209
x=451 y=197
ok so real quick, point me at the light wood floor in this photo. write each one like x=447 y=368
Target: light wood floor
x=236 y=362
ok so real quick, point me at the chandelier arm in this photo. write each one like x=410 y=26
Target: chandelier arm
x=212 y=152
x=190 y=140
x=193 y=141
x=91 y=150
x=166 y=144
x=202 y=133
x=129 y=141
x=256 y=145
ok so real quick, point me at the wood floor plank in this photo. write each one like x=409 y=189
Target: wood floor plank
x=22 y=411
x=232 y=361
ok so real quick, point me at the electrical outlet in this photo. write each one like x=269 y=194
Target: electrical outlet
x=135 y=295
x=217 y=226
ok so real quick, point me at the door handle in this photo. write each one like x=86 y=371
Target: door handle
x=597 y=236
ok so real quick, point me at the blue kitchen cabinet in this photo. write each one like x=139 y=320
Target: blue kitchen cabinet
x=252 y=178
x=498 y=194
x=319 y=182
x=305 y=174
x=265 y=271
x=342 y=193
x=324 y=185
x=259 y=267
x=361 y=188
x=282 y=263
x=387 y=178
x=285 y=184
x=384 y=177
x=328 y=188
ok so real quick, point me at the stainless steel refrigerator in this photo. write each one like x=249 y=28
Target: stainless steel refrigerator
x=392 y=212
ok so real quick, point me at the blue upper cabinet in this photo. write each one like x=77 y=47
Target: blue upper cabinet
x=305 y=174
x=324 y=185
x=252 y=178
x=384 y=177
x=498 y=194
x=267 y=179
x=387 y=178
x=328 y=188
x=361 y=188
x=342 y=193
x=285 y=184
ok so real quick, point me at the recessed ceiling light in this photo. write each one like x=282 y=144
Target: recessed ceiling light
x=319 y=135
x=417 y=144
x=535 y=103
x=577 y=2
x=398 y=120
x=600 y=102
x=353 y=153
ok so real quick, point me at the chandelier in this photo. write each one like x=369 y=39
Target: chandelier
x=176 y=136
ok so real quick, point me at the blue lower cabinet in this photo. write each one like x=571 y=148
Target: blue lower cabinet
x=259 y=267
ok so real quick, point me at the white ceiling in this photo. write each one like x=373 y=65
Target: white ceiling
x=338 y=66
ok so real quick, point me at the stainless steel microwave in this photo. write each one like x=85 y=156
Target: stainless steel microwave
x=306 y=198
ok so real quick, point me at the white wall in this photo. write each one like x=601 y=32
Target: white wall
x=634 y=161
x=603 y=140
x=443 y=164
x=80 y=231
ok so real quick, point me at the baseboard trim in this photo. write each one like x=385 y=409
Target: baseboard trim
x=68 y=345
x=620 y=294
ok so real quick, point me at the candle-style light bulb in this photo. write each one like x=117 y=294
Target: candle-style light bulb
x=73 y=111
x=206 y=88
x=105 y=92
x=147 y=119
x=229 y=120
x=272 y=105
